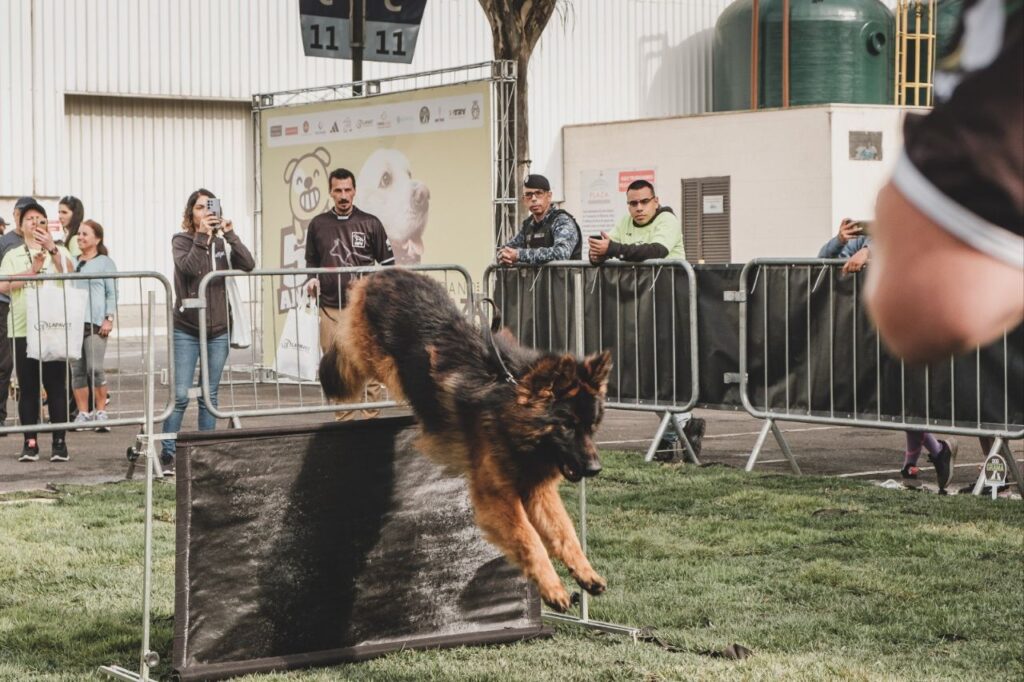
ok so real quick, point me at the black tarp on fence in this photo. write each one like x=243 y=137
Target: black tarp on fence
x=316 y=545
x=811 y=349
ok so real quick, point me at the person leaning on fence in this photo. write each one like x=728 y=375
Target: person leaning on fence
x=343 y=237
x=547 y=234
x=949 y=262
x=198 y=249
x=8 y=241
x=852 y=244
x=99 y=322
x=649 y=232
x=38 y=255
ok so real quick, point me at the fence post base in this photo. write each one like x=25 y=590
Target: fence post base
x=658 y=435
x=770 y=425
x=679 y=423
x=1000 y=446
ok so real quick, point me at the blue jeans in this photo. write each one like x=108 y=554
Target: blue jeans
x=186 y=356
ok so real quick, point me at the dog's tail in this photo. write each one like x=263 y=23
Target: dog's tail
x=336 y=377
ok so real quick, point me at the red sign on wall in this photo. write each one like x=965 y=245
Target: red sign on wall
x=628 y=177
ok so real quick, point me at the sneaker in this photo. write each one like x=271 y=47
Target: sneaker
x=694 y=432
x=82 y=419
x=30 y=452
x=59 y=451
x=943 y=462
x=101 y=416
x=167 y=466
x=909 y=471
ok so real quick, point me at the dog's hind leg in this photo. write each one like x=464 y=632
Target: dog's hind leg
x=544 y=507
x=501 y=516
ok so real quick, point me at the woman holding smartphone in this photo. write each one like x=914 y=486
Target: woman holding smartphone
x=39 y=255
x=198 y=249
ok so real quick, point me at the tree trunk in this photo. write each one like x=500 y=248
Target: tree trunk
x=516 y=26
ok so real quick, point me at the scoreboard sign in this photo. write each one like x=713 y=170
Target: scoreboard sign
x=391 y=28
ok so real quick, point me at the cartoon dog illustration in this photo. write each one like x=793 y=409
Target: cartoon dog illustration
x=386 y=189
x=308 y=197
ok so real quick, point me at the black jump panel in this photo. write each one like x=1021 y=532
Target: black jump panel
x=311 y=546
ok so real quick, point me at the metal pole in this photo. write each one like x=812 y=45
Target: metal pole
x=577 y=280
x=146 y=656
x=358 y=37
x=755 y=20
x=785 y=53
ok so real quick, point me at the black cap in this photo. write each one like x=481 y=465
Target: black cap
x=2 y=221
x=31 y=206
x=535 y=181
x=22 y=202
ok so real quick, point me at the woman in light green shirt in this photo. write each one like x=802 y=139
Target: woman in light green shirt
x=39 y=255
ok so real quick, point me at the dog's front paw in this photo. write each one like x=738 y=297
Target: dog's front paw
x=556 y=599
x=592 y=583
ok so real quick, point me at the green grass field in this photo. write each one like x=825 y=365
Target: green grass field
x=820 y=578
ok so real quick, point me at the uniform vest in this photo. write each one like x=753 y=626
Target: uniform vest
x=539 y=235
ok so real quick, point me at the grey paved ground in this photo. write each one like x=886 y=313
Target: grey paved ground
x=852 y=452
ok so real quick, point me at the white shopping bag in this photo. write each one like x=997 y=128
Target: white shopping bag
x=56 y=321
x=241 y=330
x=298 y=353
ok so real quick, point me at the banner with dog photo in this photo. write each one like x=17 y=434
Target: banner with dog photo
x=422 y=162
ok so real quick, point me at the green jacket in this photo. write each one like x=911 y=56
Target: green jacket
x=634 y=243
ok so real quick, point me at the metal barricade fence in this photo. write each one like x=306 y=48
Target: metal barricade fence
x=808 y=353
x=268 y=392
x=645 y=313
x=55 y=306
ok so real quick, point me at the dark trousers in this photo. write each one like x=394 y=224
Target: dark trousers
x=6 y=361
x=54 y=373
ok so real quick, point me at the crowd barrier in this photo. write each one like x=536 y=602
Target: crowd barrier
x=55 y=298
x=808 y=353
x=645 y=313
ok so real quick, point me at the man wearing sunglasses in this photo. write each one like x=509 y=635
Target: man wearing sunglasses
x=650 y=230
x=548 y=234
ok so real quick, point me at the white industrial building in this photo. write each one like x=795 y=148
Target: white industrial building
x=131 y=104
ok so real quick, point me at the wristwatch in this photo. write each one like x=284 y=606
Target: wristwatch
x=109 y=317
x=53 y=251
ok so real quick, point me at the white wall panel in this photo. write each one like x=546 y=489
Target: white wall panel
x=16 y=98
x=598 y=60
x=133 y=162
x=618 y=60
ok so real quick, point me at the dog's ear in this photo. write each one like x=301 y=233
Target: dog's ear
x=289 y=170
x=323 y=155
x=595 y=369
x=550 y=377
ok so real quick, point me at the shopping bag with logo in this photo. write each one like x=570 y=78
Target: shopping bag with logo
x=56 y=320
x=241 y=329
x=298 y=353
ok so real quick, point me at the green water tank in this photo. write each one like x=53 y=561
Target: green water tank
x=839 y=51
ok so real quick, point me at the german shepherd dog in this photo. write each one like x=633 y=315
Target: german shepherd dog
x=512 y=420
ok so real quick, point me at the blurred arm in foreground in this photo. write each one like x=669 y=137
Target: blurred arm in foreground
x=948 y=249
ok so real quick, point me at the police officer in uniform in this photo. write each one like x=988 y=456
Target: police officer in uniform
x=548 y=234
